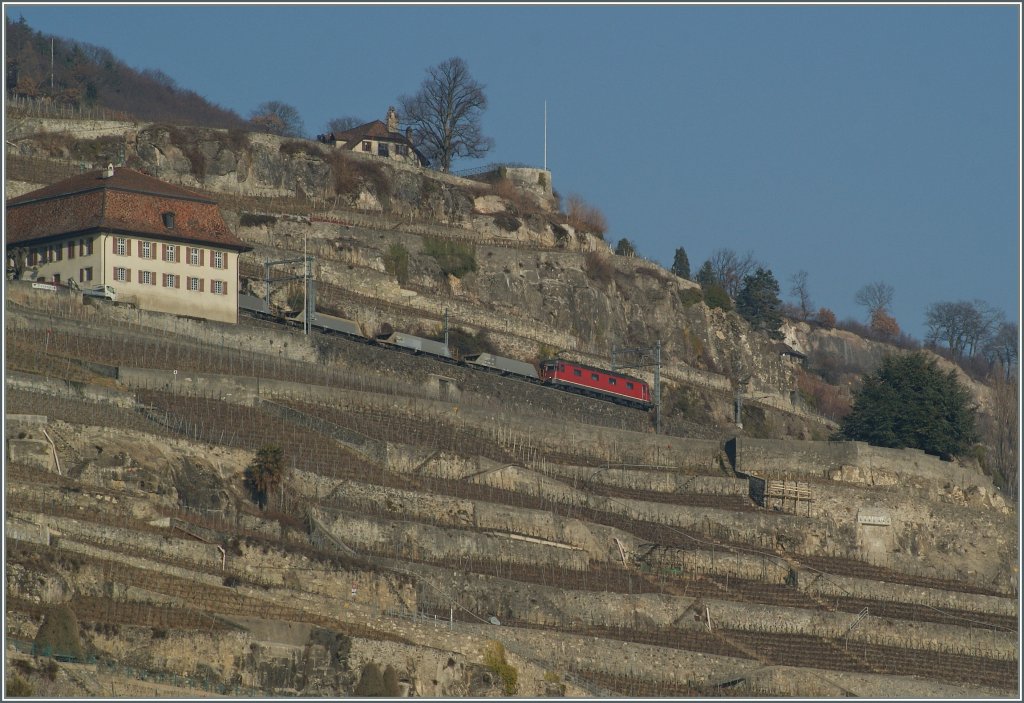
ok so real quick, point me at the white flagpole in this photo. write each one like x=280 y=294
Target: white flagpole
x=545 y=135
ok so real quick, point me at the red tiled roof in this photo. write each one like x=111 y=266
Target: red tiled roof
x=128 y=202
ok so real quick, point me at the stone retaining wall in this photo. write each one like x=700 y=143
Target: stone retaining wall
x=831 y=585
x=26 y=530
x=846 y=460
x=69 y=389
x=557 y=607
x=420 y=541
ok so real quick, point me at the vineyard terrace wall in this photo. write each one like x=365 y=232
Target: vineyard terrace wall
x=846 y=461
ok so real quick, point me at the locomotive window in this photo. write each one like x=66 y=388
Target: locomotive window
x=577 y=372
x=611 y=381
x=629 y=385
x=594 y=377
x=561 y=367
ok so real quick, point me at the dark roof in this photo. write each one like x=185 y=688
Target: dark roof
x=786 y=350
x=127 y=202
x=375 y=129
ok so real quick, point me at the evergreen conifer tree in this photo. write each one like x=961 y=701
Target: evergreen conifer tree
x=909 y=403
x=759 y=304
x=681 y=264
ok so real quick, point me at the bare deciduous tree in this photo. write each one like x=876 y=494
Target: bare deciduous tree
x=1000 y=430
x=875 y=296
x=1001 y=348
x=798 y=288
x=964 y=327
x=445 y=114
x=729 y=269
x=343 y=124
x=276 y=117
x=982 y=324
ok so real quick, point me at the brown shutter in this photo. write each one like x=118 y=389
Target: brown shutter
x=128 y=246
x=113 y=245
x=202 y=257
x=127 y=275
x=226 y=256
x=177 y=281
x=163 y=252
x=71 y=249
x=202 y=285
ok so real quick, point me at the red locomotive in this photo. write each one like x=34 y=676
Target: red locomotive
x=599 y=383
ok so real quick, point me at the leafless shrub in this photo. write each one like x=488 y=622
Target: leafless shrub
x=584 y=217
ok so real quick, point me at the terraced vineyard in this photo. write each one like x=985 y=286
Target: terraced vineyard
x=396 y=502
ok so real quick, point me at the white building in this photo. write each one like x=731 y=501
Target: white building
x=160 y=246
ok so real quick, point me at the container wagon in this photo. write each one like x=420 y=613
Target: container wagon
x=503 y=365
x=416 y=345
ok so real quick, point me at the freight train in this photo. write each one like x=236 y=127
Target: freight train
x=557 y=373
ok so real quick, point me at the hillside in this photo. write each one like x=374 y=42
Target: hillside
x=49 y=73
x=431 y=510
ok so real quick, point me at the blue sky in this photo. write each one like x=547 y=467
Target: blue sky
x=861 y=143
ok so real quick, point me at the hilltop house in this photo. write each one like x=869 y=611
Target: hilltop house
x=163 y=247
x=378 y=139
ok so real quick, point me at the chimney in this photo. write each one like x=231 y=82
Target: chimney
x=392 y=119
x=108 y=172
